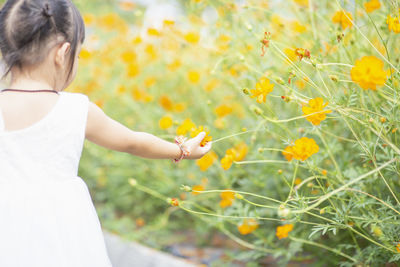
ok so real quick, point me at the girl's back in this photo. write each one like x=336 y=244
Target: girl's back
x=47 y=215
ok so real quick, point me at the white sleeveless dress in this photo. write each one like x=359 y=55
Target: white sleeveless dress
x=47 y=217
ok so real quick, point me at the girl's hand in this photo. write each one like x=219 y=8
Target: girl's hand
x=193 y=146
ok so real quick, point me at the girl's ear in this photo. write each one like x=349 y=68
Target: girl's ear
x=61 y=54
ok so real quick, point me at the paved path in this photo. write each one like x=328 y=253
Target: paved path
x=124 y=253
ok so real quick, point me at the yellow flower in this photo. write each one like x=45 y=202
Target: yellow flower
x=227 y=198
x=263 y=88
x=237 y=153
x=174 y=65
x=198 y=130
x=302 y=149
x=302 y=2
x=192 y=37
x=247 y=226
x=223 y=110
x=85 y=54
x=165 y=122
x=315 y=105
x=372 y=5
x=211 y=85
x=283 y=231
x=198 y=187
x=185 y=127
x=193 y=76
x=166 y=103
x=133 y=69
x=343 y=18
x=291 y=54
x=393 y=23
x=368 y=72
x=206 y=161
x=297 y=27
x=128 y=56
x=153 y=32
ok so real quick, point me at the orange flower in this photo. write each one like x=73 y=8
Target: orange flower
x=166 y=103
x=165 y=122
x=283 y=231
x=398 y=247
x=343 y=18
x=227 y=198
x=237 y=153
x=247 y=226
x=372 y=5
x=198 y=187
x=186 y=126
x=368 y=72
x=263 y=88
x=206 y=161
x=302 y=149
x=223 y=110
x=393 y=23
x=198 y=130
x=315 y=105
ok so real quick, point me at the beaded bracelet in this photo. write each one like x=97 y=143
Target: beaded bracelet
x=180 y=140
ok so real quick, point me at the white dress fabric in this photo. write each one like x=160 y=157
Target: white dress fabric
x=47 y=216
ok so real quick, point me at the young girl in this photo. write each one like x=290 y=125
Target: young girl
x=47 y=217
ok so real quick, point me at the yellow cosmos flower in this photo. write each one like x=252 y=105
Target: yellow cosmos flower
x=165 y=122
x=223 y=110
x=247 y=226
x=198 y=130
x=132 y=69
x=85 y=54
x=398 y=248
x=185 y=127
x=263 y=88
x=315 y=105
x=372 y=5
x=343 y=18
x=368 y=72
x=302 y=149
x=237 y=153
x=211 y=85
x=88 y=18
x=227 y=198
x=128 y=56
x=192 y=37
x=302 y=2
x=284 y=230
x=207 y=160
x=193 y=76
x=393 y=23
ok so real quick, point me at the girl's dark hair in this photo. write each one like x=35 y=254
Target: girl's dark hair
x=29 y=27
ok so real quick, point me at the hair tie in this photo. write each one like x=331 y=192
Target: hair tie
x=46 y=11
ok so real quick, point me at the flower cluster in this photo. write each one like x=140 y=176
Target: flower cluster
x=302 y=149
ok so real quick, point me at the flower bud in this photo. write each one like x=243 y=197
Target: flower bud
x=246 y=91
x=333 y=78
x=186 y=188
x=283 y=211
x=132 y=182
x=256 y=110
x=280 y=81
x=238 y=196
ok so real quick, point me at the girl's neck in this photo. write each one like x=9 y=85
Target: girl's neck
x=30 y=84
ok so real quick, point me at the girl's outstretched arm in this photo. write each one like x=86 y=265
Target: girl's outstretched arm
x=109 y=133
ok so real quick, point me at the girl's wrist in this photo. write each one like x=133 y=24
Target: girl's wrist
x=184 y=152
